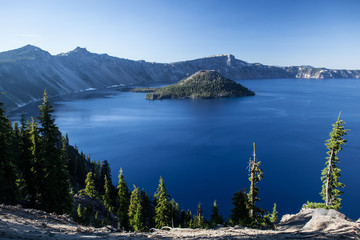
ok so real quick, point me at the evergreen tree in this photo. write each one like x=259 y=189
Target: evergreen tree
x=90 y=189
x=148 y=210
x=26 y=162
x=240 y=212
x=188 y=219
x=256 y=174
x=215 y=217
x=56 y=196
x=162 y=206
x=199 y=220
x=182 y=218
x=331 y=173
x=124 y=199
x=135 y=210
x=38 y=170
x=274 y=215
x=175 y=213
x=107 y=196
x=8 y=176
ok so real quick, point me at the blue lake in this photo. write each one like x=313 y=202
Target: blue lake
x=201 y=147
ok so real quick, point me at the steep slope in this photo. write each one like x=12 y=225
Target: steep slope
x=27 y=71
x=202 y=84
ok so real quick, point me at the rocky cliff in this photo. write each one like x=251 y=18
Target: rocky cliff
x=27 y=71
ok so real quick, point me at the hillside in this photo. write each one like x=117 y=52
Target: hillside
x=202 y=84
x=27 y=71
x=19 y=223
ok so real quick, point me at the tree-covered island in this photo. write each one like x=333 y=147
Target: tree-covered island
x=202 y=84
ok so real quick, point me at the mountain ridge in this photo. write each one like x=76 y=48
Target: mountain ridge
x=25 y=72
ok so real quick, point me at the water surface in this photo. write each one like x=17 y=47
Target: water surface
x=201 y=147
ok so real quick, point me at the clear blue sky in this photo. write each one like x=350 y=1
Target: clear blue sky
x=277 y=32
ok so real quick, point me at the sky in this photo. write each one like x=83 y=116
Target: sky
x=320 y=33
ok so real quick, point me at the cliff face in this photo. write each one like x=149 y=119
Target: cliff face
x=27 y=71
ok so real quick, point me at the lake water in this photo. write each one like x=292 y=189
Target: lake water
x=201 y=147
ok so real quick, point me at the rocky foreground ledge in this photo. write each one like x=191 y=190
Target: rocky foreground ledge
x=19 y=223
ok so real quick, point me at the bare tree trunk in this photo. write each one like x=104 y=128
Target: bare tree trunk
x=328 y=197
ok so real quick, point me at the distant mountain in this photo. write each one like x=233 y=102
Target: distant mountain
x=27 y=71
x=202 y=84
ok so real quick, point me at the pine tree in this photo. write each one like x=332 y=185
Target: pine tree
x=331 y=173
x=162 y=206
x=26 y=162
x=135 y=210
x=8 y=176
x=240 y=212
x=175 y=213
x=38 y=170
x=124 y=199
x=199 y=220
x=274 y=215
x=148 y=210
x=256 y=174
x=107 y=196
x=56 y=196
x=90 y=189
x=215 y=217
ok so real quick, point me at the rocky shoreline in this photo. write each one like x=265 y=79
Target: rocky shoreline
x=20 y=223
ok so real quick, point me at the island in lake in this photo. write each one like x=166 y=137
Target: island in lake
x=202 y=84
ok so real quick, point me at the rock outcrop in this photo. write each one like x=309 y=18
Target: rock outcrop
x=19 y=223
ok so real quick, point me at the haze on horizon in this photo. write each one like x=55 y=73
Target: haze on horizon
x=285 y=33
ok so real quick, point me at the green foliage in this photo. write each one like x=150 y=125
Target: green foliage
x=315 y=205
x=8 y=175
x=55 y=194
x=106 y=196
x=135 y=210
x=203 y=84
x=90 y=189
x=331 y=173
x=124 y=201
x=240 y=212
x=274 y=215
x=175 y=213
x=256 y=174
x=148 y=210
x=162 y=206
x=199 y=221
x=216 y=218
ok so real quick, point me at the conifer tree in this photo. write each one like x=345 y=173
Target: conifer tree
x=135 y=210
x=199 y=219
x=107 y=196
x=274 y=215
x=8 y=176
x=148 y=210
x=90 y=189
x=216 y=218
x=256 y=174
x=124 y=199
x=38 y=164
x=162 y=206
x=331 y=173
x=56 y=196
x=26 y=162
x=240 y=212
x=175 y=213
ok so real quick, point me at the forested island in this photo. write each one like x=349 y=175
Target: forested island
x=202 y=84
